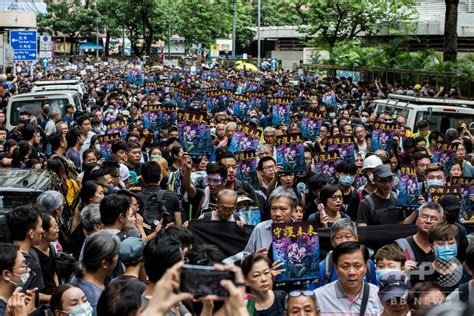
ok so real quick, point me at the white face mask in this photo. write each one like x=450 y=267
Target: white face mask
x=23 y=277
x=363 y=119
x=81 y=310
x=381 y=272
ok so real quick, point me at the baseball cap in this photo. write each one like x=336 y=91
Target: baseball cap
x=450 y=203
x=131 y=250
x=371 y=162
x=393 y=284
x=383 y=171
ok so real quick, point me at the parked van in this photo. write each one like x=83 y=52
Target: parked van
x=59 y=85
x=31 y=102
x=440 y=113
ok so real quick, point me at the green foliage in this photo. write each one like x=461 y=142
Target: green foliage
x=335 y=21
x=278 y=12
x=68 y=17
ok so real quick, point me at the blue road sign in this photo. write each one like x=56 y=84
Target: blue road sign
x=24 y=45
x=44 y=63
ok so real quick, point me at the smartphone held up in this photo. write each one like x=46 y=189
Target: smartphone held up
x=204 y=280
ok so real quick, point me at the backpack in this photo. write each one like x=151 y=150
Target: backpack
x=329 y=265
x=155 y=209
x=370 y=199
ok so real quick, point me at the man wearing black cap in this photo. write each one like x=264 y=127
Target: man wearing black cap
x=378 y=207
x=393 y=291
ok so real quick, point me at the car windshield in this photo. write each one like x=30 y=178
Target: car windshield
x=10 y=200
x=441 y=121
x=34 y=108
x=394 y=112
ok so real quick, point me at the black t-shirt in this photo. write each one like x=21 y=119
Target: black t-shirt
x=278 y=306
x=383 y=211
x=34 y=265
x=170 y=199
x=48 y=269
x=3 y=307
x=421 y=258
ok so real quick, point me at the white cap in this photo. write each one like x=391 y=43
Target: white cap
x=371 y=162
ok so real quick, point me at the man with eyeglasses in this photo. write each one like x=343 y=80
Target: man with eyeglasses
x=267 y=173
x=14 y=268
x=216 y=174
x=417 y=248
x=300 y=303
x=226 y=206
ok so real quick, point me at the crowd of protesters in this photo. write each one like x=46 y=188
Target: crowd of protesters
x=96 y=245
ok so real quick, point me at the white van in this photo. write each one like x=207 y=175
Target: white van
x=31 y=102
x=59 y=85
x=440 y=113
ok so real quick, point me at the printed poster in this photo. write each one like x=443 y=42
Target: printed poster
x=251 y=216
x=326 y=164
x=157 y=117
x=345 y=145
x=247 y=167
x=437 y=192
x=297 y=246
x=466 y=185
x=445 y=153
x=310 y=125
x=120 y=127
x=290 y=153
x=281 y=114
x=105 y=143
x=382 y=136
x=193 y=132
x=409 y=189
x=246 y=137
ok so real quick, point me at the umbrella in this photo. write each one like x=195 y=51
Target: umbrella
x=240 y=65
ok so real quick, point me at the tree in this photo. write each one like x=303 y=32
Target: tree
x=70 y=18
x=202 y=21
x=334 y=21
x=279 y=13
x=450 y=30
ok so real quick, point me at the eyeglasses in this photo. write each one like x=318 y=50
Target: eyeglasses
x=298 y=293
x=337 y=197
x=426 y=217
x=24 y=266
x=268 y=168
x=214 y=180
x=364 y=116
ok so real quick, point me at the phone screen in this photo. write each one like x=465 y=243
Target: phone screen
x=204 y=280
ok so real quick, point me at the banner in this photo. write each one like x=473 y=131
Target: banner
x=466 y=185
x=310 y=125
x=281 y=114
x=437 y=192
x=325 y=164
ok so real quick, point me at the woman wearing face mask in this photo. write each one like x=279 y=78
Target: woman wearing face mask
x=70 y=300
x=330 y=197
x=99 y=258
x=257 y=270
x=449 y=272
x=345 y=172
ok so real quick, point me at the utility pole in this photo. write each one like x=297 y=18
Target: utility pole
x=234 y=21
x=97 y=43
x=258 y=32
x=169 y=32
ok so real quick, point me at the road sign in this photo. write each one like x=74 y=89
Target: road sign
x=45 y=43
x=44 y=63
x=24 y=45
x=215 y=51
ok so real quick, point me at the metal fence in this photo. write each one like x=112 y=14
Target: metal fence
x=463 y=83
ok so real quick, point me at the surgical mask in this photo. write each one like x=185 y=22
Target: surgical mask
x=81 y=310
x=446 y=253
x=381 y=272
x=111 y=189
x=346 y=180
x=332 y=115
x=371 y=178
x=155 y=157
x=435 y=182
x=23 y=278
x=364 y=119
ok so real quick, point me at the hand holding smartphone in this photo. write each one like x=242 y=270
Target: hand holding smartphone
x=204 y=280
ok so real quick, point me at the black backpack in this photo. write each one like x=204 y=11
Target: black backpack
x=155 y=209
